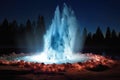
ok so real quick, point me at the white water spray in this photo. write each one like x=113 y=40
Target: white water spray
x=61 y=40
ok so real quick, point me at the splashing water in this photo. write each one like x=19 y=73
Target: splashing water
x=62 y=40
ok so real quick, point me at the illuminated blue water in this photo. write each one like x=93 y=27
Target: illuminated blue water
x=62 y=34
x=62 y=39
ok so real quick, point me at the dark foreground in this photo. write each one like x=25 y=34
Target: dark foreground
x=16 y=73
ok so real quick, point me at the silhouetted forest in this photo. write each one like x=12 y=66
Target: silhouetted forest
x=29 y=37
x=22 y=37
x=108 y=43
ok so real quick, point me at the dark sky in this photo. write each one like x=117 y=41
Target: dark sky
x=90 y=13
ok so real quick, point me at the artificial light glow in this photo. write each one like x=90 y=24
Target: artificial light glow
x=43 y=57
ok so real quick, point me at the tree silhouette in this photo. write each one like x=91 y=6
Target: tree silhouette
x=98 y=37
x=85 y=33
x=108 y=37
x=5 y=23
x=119 y=35
x=40 y=25
x=28 y=26
x=114 y=40
x=89 y=39
x=12 y=32
x=34 y=27
x=5 y=33
x=39 y=32
x=29 y=34
x=108 y=33
x=114 y=35
x=99 y=33
x=84 y=36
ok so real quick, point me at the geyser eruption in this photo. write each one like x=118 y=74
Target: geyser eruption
x=62 y=34
x=62 y=40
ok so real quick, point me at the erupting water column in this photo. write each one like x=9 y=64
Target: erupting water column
x=62 y=39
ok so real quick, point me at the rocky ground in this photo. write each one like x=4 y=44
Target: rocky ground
x=8 y=72
x=97 y=68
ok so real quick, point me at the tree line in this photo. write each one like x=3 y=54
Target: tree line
x=102 y=43
x=30 y=35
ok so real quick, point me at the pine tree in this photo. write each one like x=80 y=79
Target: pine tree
x=99 y=34
x=108 y=33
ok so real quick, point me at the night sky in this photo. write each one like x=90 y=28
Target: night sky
x=90 y=13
